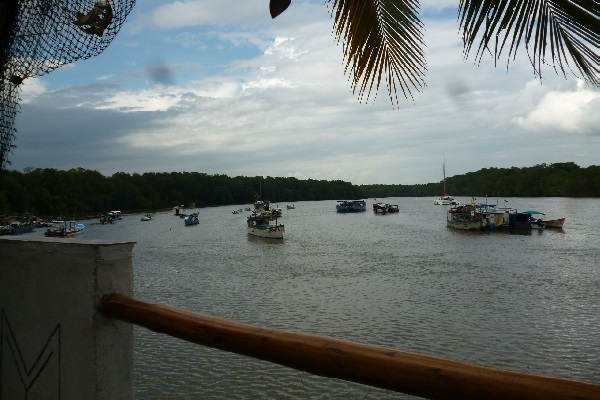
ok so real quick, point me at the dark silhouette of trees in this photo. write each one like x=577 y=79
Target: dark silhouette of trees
x=51 y=192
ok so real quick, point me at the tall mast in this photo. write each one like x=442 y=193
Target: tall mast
x=444 y=172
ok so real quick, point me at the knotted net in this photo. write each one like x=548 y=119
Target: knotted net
x=39 y=36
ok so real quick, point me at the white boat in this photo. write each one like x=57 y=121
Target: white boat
x=263 y=223
x=147 y=217
x=263 y=227
x=445 y=199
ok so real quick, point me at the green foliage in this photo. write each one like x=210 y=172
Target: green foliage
x=51 y=192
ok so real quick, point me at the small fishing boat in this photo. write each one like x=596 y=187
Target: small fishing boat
x=554 y=223
x=19 y=228
x=147 y=217
x=464 y=217
x=262 y=222
x=238 y=211
x=344 y=206
x=191 y=219
x=263 y=225
x=384 y=208
x=291 y=207
x=525 y=220
x=67 y=229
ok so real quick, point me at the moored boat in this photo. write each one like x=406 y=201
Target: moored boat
x=445 y=199
x=554 y=223
x=384 y=208
x=464 y=217
x=67 y=229
x=191 y=219
x=291 y=206
x=263 y=226
x=525 y=220
x=351 y=206
x=262 y=222
x=19 y=228
x=147 y=217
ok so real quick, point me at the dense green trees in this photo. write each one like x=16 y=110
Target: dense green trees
x=51 y=192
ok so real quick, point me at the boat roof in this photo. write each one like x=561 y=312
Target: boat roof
x=533 y=212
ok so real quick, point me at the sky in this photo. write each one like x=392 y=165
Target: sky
x=219 y=87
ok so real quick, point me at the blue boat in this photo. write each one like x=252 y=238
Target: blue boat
x=191 y=219
x=351 y=206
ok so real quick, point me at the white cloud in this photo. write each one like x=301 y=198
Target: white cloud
x=276 y=88
x=568 y=110
x=31 y=89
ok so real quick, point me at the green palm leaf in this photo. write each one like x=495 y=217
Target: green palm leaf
x=555 y=32
x=382 y=40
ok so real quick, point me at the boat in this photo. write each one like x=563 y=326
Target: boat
x=264 y=226
x=446 y=199
x=291 y=207
x=67 y=229
x=238 y=211
x=191 y=219
x=384 y=208
x=19 y=228
x=276 y=212
x=262 y=221
x=147 y=217
x=554 y=223
x=351 y=206
x=525 y=220
x=110 y=218
x=464 y=217
x=177 y=210
x=393 y=208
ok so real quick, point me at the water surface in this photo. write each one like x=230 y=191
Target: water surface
x=526 y=301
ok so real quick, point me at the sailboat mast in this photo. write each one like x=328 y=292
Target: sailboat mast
x=444 y=171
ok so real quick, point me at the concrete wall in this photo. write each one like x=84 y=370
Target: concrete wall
x=54 y=344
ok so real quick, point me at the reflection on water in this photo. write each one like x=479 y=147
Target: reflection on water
x=524 y=300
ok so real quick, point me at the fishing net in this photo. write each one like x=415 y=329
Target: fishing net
x=39 y=36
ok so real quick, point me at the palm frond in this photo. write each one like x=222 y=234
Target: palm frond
x=555 y=32
x=382 y=40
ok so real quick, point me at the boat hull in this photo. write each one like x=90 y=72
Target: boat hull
x=465 y=225
x=270 y=232
x=349 y=206
x=555 y=223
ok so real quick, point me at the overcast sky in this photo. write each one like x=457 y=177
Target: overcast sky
x=219 y=87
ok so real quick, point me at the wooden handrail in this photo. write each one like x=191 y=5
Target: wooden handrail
x=424 y=376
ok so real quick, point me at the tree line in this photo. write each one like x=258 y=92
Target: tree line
x=80 y=192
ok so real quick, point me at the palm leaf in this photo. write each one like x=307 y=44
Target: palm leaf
x=382 y=40
x=555 y=32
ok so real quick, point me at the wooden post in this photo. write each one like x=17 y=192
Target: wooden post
x=415 y=374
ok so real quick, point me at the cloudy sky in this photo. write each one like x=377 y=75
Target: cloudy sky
x=219 y=87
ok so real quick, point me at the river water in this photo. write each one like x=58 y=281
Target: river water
x=526 y=301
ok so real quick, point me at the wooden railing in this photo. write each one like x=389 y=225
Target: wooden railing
x=385 y=368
